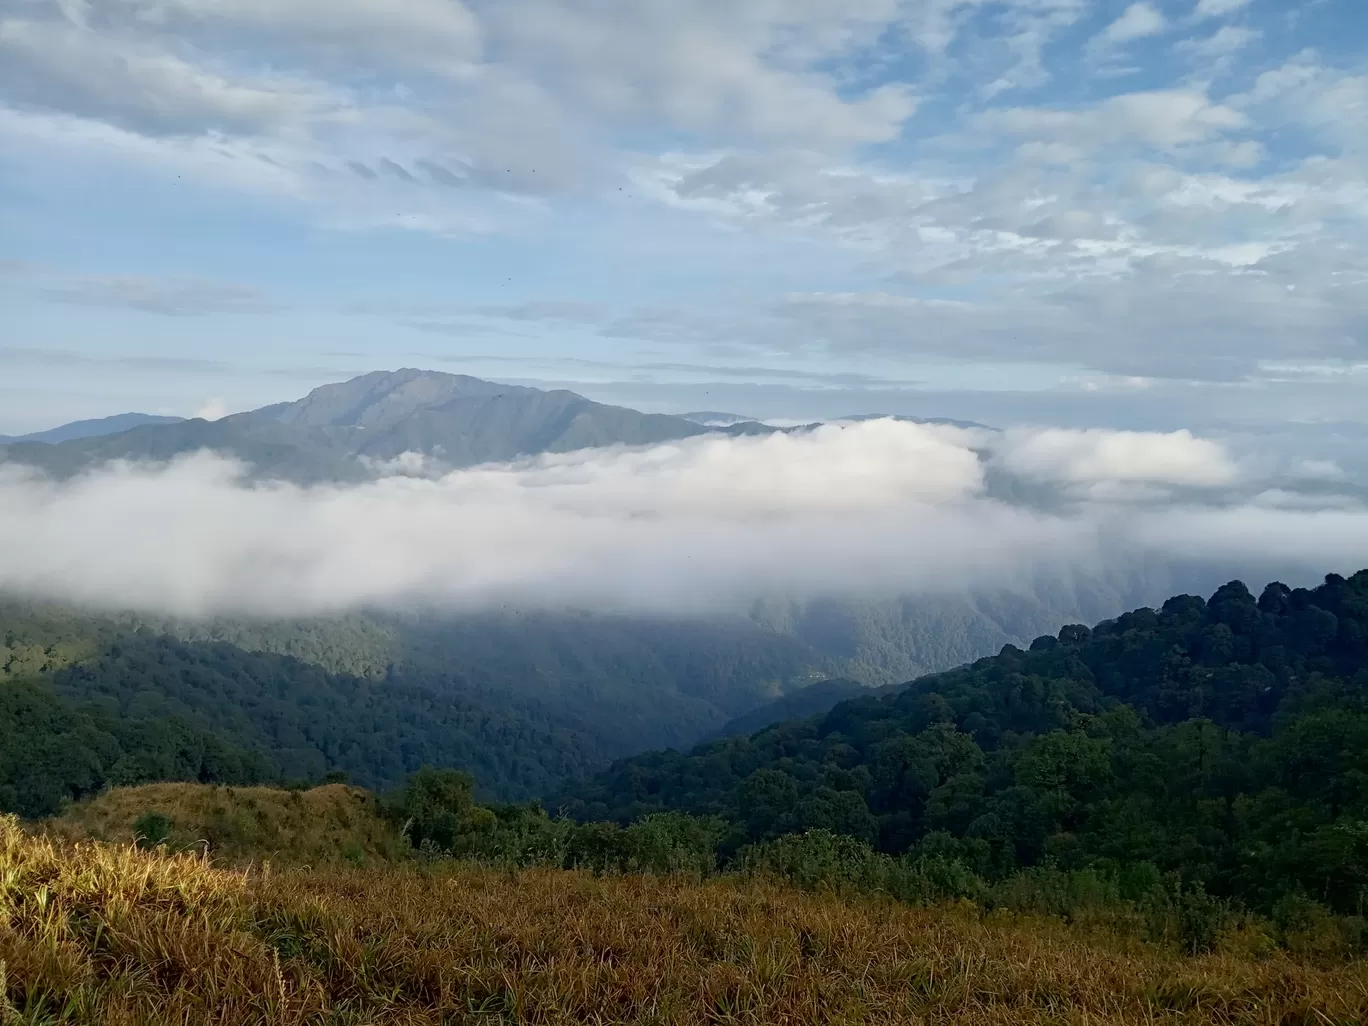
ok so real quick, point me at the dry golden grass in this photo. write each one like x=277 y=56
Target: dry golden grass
x=99 y=933
x=325 y=824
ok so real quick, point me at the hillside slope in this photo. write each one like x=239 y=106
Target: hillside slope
x=333 y=823
x=809 y=701
x=524 y=702
x=1226 y=740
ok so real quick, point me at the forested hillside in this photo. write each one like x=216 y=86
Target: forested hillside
x=523 y=702
x=1226 y=740
x=891 y=640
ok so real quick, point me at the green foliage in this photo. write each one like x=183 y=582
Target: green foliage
x=54 y=751
x=439 y=817
x=523 y=702
x=1222 y=744
x=152 y=829
x=438 y=808
x=820 y=859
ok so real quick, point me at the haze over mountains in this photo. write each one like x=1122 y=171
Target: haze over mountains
x=114 y=425
x=892 y=546
x=413 y=567
x=344 y=431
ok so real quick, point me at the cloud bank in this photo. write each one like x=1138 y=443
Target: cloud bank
x=708 y=524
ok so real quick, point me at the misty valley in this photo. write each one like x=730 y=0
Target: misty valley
x=1109 y=733
x=683 y=513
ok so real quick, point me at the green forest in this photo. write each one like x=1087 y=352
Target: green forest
x=1223 y=740
x=523 y=702
x=1215 y=747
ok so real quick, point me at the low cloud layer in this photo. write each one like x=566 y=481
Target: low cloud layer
x=871 y=508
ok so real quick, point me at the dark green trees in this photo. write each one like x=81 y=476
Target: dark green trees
x=1224 y=740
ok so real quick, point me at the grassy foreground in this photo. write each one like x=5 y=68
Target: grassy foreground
x=93 y=932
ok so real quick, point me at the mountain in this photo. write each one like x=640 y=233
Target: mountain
x=883 y=641
x=1221 y=740
x=796 y=705
x=341 y=431
x=712 y=418
x=523 y=701
x=92 y=428
x=351 y=430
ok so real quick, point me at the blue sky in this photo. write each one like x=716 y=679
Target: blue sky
x=1076 y=212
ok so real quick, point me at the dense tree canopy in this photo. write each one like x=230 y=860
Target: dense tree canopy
x=1225 y=739
x=524 y=702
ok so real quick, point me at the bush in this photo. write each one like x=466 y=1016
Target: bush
x=151 y=829
x=437 y=809
x=820 y=859
x=672 y=842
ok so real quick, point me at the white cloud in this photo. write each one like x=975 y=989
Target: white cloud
x=876 y=149
x=1121 y=457
x=213 y=409
x=1226 y=40
x=1136 y=22
x=1217 y=8
x=870 y=508
x=434 y=33
x=1330 y=103
x=1166 y=119
x=137 y=85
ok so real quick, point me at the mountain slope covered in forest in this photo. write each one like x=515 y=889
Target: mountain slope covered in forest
x=524 y=702
x=1224 y=739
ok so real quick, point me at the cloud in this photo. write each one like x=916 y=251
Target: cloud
x=1100 y=457
x=138 y=85
x=171 y=297
x=46 y=357
x=1165 y=119
x=1226 y=40
x=442 y=34
x=213 y=409
x=1217 y=8
x=878 y=507
x=1191 y=222
x=1136 y=22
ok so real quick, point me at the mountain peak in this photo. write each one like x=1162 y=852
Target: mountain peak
x=381 y=399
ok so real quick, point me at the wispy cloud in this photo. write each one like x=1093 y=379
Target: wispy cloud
x=177 y=297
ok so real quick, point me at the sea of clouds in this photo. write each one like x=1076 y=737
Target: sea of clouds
x=864 y=509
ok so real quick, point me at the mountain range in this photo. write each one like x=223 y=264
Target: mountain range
x=98 y=428
x=592 y=687
x=350 y=430
x=343 y=431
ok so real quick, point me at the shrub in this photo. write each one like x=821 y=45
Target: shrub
x=152 y=829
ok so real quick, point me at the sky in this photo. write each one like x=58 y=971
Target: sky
x=1078 y=213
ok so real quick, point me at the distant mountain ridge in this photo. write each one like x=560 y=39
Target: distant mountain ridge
x=339 y=431
x=715 y=418
x=96 y=428
x=343 y=431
